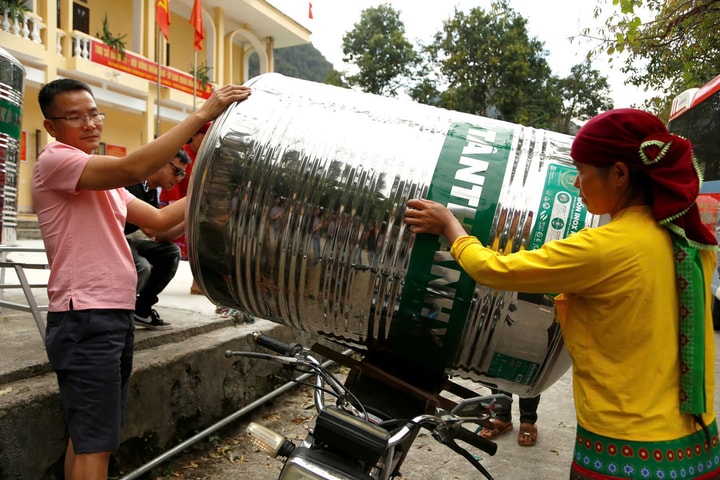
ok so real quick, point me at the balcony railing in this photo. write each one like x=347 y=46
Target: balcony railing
x=28 y=28
x=80 y=45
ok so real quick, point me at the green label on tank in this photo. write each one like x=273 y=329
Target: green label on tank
x=437 y=294
x=10 y=119
x=561 y=212
x=513 y=369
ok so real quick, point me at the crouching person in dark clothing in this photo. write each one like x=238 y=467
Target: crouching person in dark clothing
x=156 y=257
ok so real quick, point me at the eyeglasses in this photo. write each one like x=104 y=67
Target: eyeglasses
x=177 y=171
x=77 y=121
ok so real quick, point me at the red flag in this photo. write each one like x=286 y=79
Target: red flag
x=162 y=16
x=310 y=15
x=197 y=23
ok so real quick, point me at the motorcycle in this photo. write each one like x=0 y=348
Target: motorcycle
x=354 y=439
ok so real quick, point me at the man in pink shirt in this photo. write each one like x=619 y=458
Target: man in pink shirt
x=82 y=209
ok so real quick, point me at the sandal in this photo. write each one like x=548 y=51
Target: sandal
x=527 y=436
x=497 y=428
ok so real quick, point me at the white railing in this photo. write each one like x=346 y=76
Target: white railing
x=28 y=28
x=60 y=36
x=81 y=44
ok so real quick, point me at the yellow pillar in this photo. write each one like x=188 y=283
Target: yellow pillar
x=219 y=18
x=48 y=11
x=227 y=59
x=148 y=117
x=269 y=53
x=66 y=25
x=148 y=37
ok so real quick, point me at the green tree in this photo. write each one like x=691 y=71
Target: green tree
x=584 y=93
x=336 y=78
x=669 y=45
x=428 y=78
x=492 y=68
x=377 y=46
x=301 y=61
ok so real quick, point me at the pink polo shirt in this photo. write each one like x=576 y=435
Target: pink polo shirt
x=90 y=261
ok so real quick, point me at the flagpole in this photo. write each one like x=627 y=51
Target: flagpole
x=196 y=79
x=158 y=58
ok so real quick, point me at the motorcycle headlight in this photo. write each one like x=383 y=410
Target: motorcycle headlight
x=298 y=472
x=313 y=466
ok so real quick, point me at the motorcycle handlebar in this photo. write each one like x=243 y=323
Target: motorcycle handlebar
x=476 y=440
x=276 y=345
x=432 y=421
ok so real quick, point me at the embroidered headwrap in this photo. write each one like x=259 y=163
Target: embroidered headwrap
x=641 y=141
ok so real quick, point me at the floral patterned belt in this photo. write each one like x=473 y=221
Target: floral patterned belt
x=602 y=458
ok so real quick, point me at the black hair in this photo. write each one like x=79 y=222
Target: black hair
x=642 y=182
x=47 y=94
x=183 y=156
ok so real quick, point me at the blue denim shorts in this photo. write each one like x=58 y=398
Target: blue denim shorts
x=91 y=352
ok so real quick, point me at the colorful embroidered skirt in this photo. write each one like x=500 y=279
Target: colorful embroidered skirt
x=602 y=458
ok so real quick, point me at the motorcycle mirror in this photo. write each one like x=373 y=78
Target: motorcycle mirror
x=478 y=406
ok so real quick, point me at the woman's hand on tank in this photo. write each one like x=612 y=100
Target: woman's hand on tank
x=427 y=216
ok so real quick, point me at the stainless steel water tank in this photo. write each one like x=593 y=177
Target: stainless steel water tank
x=321 y=155
x=12 y=77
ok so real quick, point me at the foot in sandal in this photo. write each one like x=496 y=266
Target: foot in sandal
x=498 y=427
x=527 y=436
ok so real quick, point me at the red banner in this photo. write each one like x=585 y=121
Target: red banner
x=23 y=146
x=162 y=16
x=197 y=23
x=144 y=68
x=115 y=150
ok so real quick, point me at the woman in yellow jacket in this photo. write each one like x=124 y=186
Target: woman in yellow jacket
x=636 y=304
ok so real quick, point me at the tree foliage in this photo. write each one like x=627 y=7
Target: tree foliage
x=584 y=92
x=493 y=68
x=336 y=78
x=379 y=49
x=670 y=45
x=302 y=61
x=479 y=62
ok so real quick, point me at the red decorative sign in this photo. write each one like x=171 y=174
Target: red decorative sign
x=23 y=146
x=144 y=68
x=115 y=150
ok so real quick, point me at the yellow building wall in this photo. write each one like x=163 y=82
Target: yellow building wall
x=127 y=126
x=119 y=15
x=180 y=37
x=124 y=129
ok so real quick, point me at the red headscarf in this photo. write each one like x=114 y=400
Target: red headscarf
x=641 y=141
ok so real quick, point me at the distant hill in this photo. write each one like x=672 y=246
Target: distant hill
x=302 y=61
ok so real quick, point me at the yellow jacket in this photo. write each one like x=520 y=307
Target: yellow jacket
x=619 y=317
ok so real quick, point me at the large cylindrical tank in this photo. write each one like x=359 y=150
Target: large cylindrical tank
x=295 y=215
x=12 y=78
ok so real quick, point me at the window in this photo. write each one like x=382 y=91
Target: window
x=81 y=18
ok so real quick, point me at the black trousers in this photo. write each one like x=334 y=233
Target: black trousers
x=528 y=409
x=156 y=265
